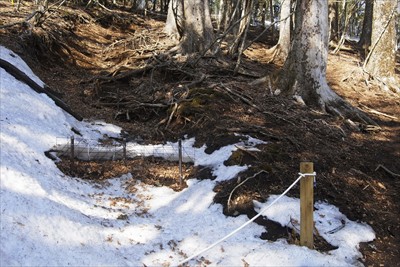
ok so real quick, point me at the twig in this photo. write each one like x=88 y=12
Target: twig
x=28 y=18
x=378 y=112
x=172 y=115
x=243 y=98
x=247 y=152
x=387 y=170
x=236 y=187
x=278 y=117
x=337 y=229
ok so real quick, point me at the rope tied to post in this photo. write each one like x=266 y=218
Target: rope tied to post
x=301 y=175
x=310 y=174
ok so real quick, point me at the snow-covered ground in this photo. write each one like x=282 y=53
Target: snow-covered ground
x=49 y=219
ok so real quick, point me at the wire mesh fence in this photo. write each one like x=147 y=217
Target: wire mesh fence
x=92 y=150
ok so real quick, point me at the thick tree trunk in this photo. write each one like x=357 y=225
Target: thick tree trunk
x=381 y=60
x=304 y=73
x=190 y=21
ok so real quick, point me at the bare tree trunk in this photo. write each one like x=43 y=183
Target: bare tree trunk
x=190 y=21
x=346 y=24
x=263 y=12
x=247 y=7
x=221 y=14
x=334 y=20
x=281 y=50
x=304 y=73
x=174 y=24
x=381 y=60
x=272 y=14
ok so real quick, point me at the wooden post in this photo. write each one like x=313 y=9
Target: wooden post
x=180 y=161
x=307 y=205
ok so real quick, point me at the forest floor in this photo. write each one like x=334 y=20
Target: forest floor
x=118 y=67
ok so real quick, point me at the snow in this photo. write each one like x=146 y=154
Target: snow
x=50 y=219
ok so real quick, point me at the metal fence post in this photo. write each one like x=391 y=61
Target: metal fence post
x=180 y=161
x=72 y=151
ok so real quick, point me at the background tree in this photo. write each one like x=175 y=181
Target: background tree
x=334 y=20
x=304 y=73
x=381 y=60
x=240 y=35
x=190 y=22
x=281 y=49
x=365 y=38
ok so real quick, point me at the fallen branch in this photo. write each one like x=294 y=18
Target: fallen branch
x=244 y=150
x=242 y=97
x=378 y=112
x=19 y=75
x=236 y=187
x=278 y=117
x=387 y=170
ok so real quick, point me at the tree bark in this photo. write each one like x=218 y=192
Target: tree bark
x=173 y=25
x=247 y=7
x=365 y=38
x=334 y=20
x=190 y=21
x=304 y=73
x=381 y=60
x=281 y=49
x=272 y=14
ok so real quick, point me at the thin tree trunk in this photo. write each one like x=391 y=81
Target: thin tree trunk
x=247 y=7
x=334 y=21
x=281 y=50
x=365 y=38
x=271 y=11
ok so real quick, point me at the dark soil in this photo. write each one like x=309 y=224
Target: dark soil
x=114 y=66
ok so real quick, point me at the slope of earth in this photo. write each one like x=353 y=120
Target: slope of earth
x=119 y=67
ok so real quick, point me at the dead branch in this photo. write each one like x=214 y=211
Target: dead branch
x=244 y=150
x=236 y=187
x=378 y=112
x=172 y=114
x=124 y=75
x=387 y=170
x=25 y=21
x=278 y=117
x=19 y=75
x=245 y=99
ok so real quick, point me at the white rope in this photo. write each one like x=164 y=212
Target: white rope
x=301 y=175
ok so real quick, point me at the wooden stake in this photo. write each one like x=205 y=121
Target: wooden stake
x=307 y=205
